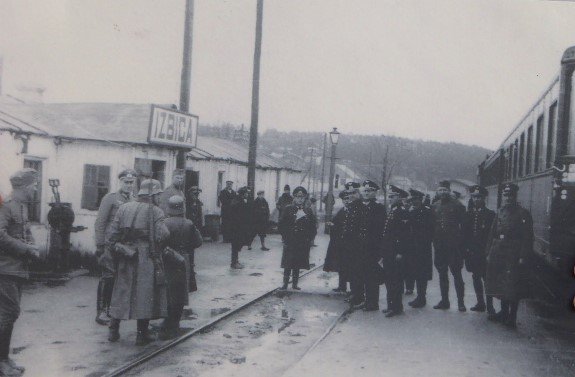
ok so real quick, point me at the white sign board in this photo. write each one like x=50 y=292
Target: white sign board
x=172 y=127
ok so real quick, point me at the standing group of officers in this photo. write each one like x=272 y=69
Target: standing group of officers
x=397 y=246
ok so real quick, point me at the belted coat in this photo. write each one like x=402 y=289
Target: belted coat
x=298 y=229
x=478 y=222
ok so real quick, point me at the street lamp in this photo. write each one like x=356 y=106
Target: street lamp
x=330 y=200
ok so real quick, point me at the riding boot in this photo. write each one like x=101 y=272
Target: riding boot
x=511 y=320
x=490 y=308
x=478 y=287
x=420 y=301
x=287 y=272
x=444 y=288
x=295 y=279
x=101 y=309
x=502 y=315
x=459 y=290
x=143 y=337
x=114 y=330
x=5 y=339
x=263 y=241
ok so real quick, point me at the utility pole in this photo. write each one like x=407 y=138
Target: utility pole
x=185 y=82
x=255 y=98
x=322 y=172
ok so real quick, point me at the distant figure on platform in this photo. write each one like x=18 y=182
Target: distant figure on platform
x=312 y=202
x=225 y=200
x=449 y=216
x=17 y=249
x=333 y=257
x=419 y=258
x=184 y=238
x=176 y=188
x=510 y=244
x=284 y=200
x=194 y=210
x=241 y=224
x=261 y=218
x=297 y=225
x=106 y=213
x=137 y=237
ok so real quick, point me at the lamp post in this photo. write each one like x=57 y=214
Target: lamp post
x=330 y=200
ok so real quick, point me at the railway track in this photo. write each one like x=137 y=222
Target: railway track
x=206 y=328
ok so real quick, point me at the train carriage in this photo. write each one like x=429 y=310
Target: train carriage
x=539 y=156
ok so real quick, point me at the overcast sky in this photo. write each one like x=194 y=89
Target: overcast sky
x=463 y=71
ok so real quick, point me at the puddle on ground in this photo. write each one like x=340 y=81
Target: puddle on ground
x=17 y=350
x=256 y=274
x=33 y=311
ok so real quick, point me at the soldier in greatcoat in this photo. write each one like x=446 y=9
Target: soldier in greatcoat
x=354 y=244
x=17 y=249
x=371 y=270
x=241 y=224
x=176 y=188
x=137 y=237
x=449 y=216
x=419 y=258
x=297 y=225
x=509 y=246
x=395 y=241
x=106 y=213
x=333 y=257
x=184 y=238
x=225 y=200
x=477 y=225
x=261 y=218
x=194 y=207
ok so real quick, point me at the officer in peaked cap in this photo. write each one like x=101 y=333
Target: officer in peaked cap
x=106 y=213
x=477 y=225
x=419 y=259
x=16 y=250
x=370 y=269
x=510 y=244
x=225 y=200
x=449 y=216
x=176 y=188
x=352 y=189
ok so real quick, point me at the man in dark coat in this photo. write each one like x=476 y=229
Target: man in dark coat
x=284 y=200
x=297 y=225
x=176 y=188
x=261 y=218
x=395 y=239
x=106 y=213
x=333 y=257
x=354 y=242
x=510 y=244
x=449 y=215
x=194 y=207
x=137 y=237
x=419 y=256
x=225 y=200
x=184 y=238
x=477 y=225
x=16 y=250
x=241 y=224
x=371 y=270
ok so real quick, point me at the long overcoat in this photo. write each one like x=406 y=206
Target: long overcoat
x=226 y=199
x=510 y=239
x=395 y=242
x=261 y=215
x=241 y=222
x=476 y=229
x=419 y=256
x=136 y=294
x=298 y=232
x=354 y=250
x=333 y=256
x=180 y=277
x=449 y=216
x=376 y=216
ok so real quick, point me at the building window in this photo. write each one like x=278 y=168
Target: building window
x=96 y=185
x=551 y=135
x=529 y=154
x=539 y=145
x=147 y=168
x=516 y=159
x=34 y=207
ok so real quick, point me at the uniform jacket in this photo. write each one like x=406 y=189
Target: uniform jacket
x=15 y=237
x=195 y=212
x=261 y=210
x=298 y=234
x=476 y=229
x=136 y=295
x=226 y=198
x=241 y=221
x=377 y=216
x=354 y=233
x=419 y=257
x=167 y=194
x=510 y=239
x=183 y=239
x=106 y=213
x=449 y=216
x=334 y=250
x=283 y=201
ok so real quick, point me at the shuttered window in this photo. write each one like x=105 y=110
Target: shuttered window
x=96 y=184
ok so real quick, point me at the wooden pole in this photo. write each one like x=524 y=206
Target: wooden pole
x=322 y=172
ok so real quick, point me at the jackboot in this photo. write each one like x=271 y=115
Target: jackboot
x=7 y=371
x=419 y=302
x=263 y=241
x=114 y=330
x=295 y=279
x=143 y=336
x=511 y=320
x=502 y=315
x=101 y=312
x=490 y=308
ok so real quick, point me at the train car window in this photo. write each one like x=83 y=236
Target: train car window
x=515 y=158
x=522 y=155
x=509 y=162
x=551 y=135
x=539 y=145
x=529 y=154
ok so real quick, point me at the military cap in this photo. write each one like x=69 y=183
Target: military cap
x=477 y=190
x=370 y=184
x=351 y=185
x=445 y=184
x=150 y=187
x=510 y=189
x=416 y=193
x=229 y=181
x=299 y=189
x=128 y=174
x=286 y=187
x=397 y=191
x=260 y=192
x=343 y=194
x=195 y=189
x=23 y=177
x=175 y=206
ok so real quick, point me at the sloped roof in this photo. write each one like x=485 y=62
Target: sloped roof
x=115 y=122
